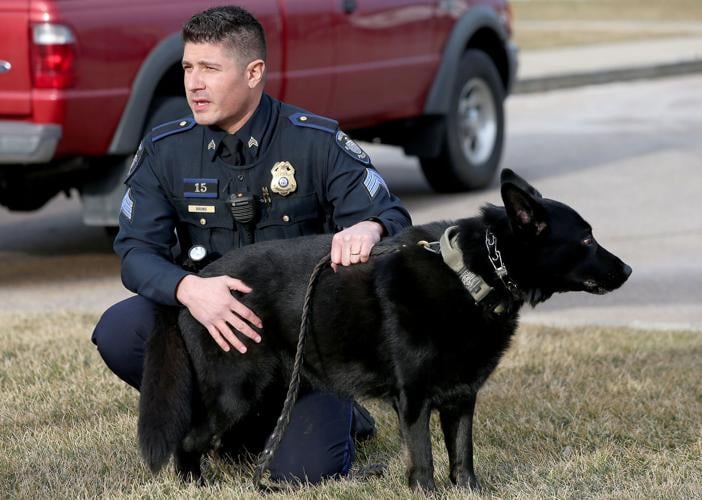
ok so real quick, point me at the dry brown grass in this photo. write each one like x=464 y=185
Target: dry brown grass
x=587 y=412
x=555 y=23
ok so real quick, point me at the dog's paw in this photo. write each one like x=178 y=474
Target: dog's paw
x=422 y=482
x=466 y=480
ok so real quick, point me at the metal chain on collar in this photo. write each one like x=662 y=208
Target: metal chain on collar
x=276 y=436
x=496 y=260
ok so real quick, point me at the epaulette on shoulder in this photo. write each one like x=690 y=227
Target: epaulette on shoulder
x=170 y=128
x=302 y=119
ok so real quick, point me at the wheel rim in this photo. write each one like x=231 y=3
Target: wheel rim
x=477 y=121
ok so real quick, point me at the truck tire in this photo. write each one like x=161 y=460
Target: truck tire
x=474 y=128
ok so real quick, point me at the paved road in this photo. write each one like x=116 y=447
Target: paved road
x=627 y=156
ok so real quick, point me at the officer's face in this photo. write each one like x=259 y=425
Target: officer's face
x=220 y=89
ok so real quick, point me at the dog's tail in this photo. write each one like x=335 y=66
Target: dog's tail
x=165 y=405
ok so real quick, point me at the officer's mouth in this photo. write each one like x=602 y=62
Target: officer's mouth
x=200 y=104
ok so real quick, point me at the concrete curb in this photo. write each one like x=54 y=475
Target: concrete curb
x=565 y=81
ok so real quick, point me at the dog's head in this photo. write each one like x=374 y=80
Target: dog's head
x=557 y=251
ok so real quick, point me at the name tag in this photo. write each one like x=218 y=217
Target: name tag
x=201 y=209
x=200 y=188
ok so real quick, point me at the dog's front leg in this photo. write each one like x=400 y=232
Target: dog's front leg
x=187 y=465
x=457 y=424
x=414 y=426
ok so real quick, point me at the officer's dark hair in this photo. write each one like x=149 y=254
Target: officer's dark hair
x=231 y=25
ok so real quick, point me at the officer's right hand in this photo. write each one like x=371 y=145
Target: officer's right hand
x=210 y=301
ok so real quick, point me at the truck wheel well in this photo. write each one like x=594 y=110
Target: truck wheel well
x=171 y=83
x=488 y=41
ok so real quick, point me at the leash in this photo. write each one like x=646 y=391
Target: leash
x=276 y=436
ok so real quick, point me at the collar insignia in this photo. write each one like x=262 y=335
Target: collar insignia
x=253 y=142
x=211 y=145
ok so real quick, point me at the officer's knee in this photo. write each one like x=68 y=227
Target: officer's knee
x=107 y=339
x=120 y=341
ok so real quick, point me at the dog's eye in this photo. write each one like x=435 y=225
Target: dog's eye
x=588 y=241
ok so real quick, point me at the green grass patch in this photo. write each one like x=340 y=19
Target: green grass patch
x=588 y=412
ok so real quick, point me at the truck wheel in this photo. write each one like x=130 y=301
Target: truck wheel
x=474 y=128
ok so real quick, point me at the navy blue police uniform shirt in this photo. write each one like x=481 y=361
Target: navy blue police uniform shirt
x=307 y=176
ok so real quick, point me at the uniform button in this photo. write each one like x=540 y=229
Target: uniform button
x=183 y=123
x=241 y=178
x=286 y=218
x=203 y=221
x=303 y=118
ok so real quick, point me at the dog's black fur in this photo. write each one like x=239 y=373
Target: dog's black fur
x=401 y=328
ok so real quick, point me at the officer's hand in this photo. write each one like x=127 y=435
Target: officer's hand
x=354 y=244
x=210 y=302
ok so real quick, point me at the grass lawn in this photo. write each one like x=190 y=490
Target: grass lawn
x=587 y=412
x=553 y=23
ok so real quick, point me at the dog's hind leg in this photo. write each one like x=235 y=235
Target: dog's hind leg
x=457 y=425
x=414 y=416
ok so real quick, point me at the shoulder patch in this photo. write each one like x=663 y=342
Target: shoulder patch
x=136 y=161
x=170 y=128
x=351 y=148
x=314 y=121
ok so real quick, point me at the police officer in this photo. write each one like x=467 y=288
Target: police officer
x=243 y=168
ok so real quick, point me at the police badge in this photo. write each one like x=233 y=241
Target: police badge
x=283 y=182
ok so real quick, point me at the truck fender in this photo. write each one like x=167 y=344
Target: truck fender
x=477 y=18
x=129 y=130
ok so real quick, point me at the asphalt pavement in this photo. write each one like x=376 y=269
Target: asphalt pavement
x=542 y=70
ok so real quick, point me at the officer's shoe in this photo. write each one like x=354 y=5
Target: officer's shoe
x=362 y=423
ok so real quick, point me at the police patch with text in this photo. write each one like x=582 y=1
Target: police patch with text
x=351 y=148
x=136 y=161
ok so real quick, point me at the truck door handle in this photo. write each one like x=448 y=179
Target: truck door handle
x=348 y=6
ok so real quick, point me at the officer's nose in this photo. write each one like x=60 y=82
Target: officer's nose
x=193 y=81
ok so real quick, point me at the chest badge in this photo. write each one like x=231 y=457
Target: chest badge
x=283 y=182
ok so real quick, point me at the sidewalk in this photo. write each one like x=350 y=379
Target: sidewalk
x=548 y=69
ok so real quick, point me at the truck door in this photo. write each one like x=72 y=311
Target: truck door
x=15 y=79
x=308 y=73
x=383 y=60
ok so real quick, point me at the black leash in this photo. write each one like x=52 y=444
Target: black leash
x=276 y=436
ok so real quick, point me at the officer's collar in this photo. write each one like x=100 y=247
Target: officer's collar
x=253 y=133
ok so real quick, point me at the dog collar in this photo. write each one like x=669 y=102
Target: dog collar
x=477 y=287
x=499 y=266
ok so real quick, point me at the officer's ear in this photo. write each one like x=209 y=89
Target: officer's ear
x=255 y=72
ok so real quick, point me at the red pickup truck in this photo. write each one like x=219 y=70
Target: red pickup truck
x=81 y=81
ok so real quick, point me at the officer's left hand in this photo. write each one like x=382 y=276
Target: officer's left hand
x=354 y=244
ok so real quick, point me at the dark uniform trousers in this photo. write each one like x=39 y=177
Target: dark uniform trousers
x=318 y=443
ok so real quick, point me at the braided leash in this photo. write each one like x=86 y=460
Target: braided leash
x=277 y=435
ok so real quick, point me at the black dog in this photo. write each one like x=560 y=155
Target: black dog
x=421 y=327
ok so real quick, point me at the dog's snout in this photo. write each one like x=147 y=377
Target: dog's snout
x=627 y=271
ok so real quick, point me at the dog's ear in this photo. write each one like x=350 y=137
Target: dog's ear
x=508 y=175
x=523 y=204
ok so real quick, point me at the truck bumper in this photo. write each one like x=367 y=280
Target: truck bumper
x=22 y=142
